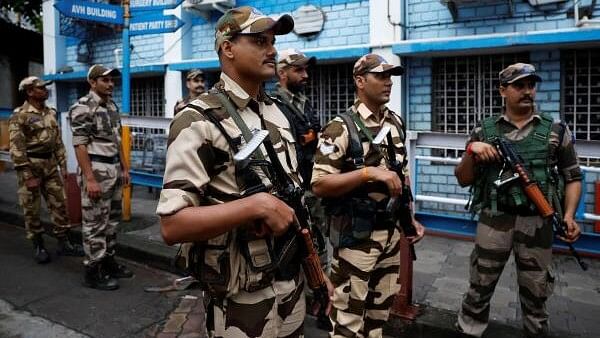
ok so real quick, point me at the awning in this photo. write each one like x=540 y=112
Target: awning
x=135 y=71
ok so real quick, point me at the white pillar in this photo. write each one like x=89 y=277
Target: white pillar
x=54 y=45
x=382 y=35
x=177 y=46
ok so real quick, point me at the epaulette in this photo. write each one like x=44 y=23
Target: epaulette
x=206 y=101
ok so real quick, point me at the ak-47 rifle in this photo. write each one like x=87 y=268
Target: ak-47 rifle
x=285 y=190
x=398 y=208
x=533 y=192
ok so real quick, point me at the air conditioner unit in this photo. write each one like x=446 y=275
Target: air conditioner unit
x=204 y=7
x=544 y=2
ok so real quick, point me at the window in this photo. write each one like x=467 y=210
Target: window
x=465 y=90
x=330 y=89
x=148 y=100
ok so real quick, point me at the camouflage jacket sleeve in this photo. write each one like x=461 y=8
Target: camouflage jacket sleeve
x=476 y=134
x=567 y=161
x=81 y=124
x=18 y=144
x=59 y=151
x=185 y=176
x=331 y=150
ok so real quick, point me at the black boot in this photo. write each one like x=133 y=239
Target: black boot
x=66 y=247
x=97 y=278
x=41 y=255
x=115 y=269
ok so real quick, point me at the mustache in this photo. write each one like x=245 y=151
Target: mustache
x=526 y=98
x=270 y=60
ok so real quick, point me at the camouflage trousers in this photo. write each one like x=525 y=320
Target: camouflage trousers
x=101 y=216
x=530 y=238
x=275 y=311
x=365 y=278
x=52 y=188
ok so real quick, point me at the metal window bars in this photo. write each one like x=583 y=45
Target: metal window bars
x=330 y=89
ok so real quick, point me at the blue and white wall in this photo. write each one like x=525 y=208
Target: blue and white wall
x=484 y=28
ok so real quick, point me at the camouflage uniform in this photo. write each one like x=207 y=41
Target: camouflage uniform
x=37 y=150
x=528 y=235
x=181 y=103
x=200 y=171
x=98 y=126
x=365 y=273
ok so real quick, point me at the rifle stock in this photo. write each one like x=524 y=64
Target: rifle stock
x=534 y=193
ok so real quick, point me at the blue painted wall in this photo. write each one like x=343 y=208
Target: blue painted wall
x=430 y=19
x=346 y=23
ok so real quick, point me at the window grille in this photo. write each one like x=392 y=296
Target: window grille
x=147 y=99
x=330 y=89
x=581 y=95
x=465 y=90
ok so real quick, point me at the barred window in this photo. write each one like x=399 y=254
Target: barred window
x=465 y=90
x=581 y=93
x=148 y=100
x=330 y=89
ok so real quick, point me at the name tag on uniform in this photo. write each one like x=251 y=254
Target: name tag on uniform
x=326 y=149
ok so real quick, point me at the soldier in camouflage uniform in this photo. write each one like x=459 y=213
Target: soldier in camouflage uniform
x=195 y=83
x=203 y=199
x=366 y=257
x=507 y=219
x=38 y=153
x=292 y=71
x=96 y=127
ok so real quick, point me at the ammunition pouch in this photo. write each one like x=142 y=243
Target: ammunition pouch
x=209 y=264
x=353 y=223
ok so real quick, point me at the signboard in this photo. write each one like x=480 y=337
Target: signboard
x=154 y=24
x=91 y=11
x=153 y=5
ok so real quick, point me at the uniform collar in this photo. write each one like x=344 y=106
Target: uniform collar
x=365 y=113
x=96 y=98
x=237 y=94
x=29 y=108
x=504 y=119
x=288 y=95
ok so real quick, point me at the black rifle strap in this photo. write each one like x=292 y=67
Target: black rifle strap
x=217 y=123
x=355 y=149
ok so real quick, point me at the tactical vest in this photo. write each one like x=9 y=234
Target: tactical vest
x=352 y=218
x=235 y=260
x=534 y=149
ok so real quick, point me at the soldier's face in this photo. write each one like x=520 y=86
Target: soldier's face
x=254 y=55
x=196 y=86
x=377 y=87
x=103 y=85
x=38 y=93
x=296 y=77
x=519 y=95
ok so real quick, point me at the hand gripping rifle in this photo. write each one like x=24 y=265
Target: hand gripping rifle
x=532 y=191
x=285 y=190
x=398 y=208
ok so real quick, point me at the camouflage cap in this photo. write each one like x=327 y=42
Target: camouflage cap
x=373 y=63
x=293 y=57
x=192 y=74
x=99 y=70
x=32 y=81
x=518 y=71
x=249 y=20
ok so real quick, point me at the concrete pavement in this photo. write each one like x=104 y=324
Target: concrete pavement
x=440 y=276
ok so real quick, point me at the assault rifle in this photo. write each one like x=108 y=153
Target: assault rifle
x=285 y=190
x=398 y=208
x=533 y=192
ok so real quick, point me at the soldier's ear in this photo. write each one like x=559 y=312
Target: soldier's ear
x=359 y=81
x=502 y=90
x=226 y=49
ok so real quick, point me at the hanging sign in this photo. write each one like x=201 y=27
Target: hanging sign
x=91 y=11
x=154 y=24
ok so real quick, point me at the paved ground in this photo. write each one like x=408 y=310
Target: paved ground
x=440 y=277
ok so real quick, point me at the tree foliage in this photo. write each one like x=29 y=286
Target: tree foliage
x=25 y=11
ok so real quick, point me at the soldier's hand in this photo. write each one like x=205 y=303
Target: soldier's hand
x=573 y=231
x=485 y=152
x=420 y=232
x=390 y=178
x=274 y=213
x=93 y=189
x=32 y=183
x=126 y=177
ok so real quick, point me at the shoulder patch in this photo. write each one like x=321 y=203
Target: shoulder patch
x=207 y=101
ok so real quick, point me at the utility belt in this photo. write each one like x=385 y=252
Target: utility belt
x=46 y=156
x=352 y=220
x=104 y=159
